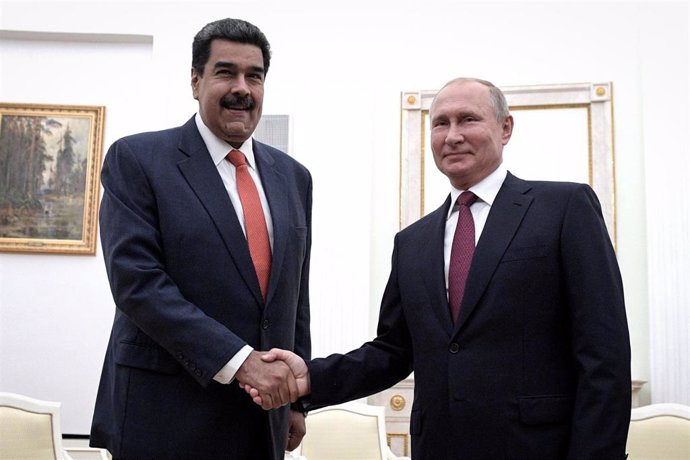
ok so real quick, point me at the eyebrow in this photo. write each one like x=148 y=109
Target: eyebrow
x=233 y=66
x=464 y=112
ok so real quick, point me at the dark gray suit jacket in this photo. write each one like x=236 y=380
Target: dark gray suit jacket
x=188 y=299
x=538 y=365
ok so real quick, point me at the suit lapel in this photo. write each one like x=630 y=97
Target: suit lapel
x=432 y=273
x=276 y=190
x=201 y=174
x=504 y=218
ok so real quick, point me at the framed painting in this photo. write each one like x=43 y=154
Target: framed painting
x=50 y=160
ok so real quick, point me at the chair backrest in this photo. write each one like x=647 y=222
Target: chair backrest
x=350 y=431
x=29 y=428
x=659 y=431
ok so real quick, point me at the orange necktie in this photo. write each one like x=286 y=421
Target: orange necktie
x=254 y=220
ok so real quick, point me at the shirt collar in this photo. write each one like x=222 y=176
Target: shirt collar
x=486 y=190
x=218 y=148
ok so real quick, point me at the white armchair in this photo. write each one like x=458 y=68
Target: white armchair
x=30 y=429
x=659 y=431
x=350 y=431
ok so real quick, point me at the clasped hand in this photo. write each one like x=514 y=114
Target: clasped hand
x=274 y=378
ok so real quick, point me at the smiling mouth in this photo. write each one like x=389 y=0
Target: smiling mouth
x=236 y=113
x=454 y=154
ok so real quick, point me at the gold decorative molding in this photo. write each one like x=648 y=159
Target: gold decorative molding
x=397 y=402
x=405 y=440
x=411 y=100
x=601 y=92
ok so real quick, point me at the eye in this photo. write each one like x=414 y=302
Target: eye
x=256 y=77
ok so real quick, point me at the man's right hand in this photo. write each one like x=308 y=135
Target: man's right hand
x=299 y=371
x=271 y=378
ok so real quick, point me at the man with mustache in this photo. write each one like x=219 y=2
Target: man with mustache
x=206 y=236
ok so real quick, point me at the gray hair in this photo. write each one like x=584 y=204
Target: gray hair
x=496 y=96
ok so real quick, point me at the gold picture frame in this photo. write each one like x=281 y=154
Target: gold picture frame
x=50 y=161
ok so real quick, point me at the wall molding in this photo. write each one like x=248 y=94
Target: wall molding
x=32 y=35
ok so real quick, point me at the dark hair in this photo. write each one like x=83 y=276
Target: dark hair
x=234 y=30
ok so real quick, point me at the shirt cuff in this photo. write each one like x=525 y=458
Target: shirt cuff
x=227 y=372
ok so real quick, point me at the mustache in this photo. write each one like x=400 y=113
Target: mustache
x=237 y=102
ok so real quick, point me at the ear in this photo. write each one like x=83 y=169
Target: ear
x=195 y=83
x=507 y=129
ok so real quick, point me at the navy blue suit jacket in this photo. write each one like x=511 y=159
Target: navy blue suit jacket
x=188 y=299
x=538 y=364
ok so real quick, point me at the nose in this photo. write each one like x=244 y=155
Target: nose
x=454 y=135
x=240 y=86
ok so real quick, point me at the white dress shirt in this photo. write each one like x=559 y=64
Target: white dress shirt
x=486 y=192
x=219 y=149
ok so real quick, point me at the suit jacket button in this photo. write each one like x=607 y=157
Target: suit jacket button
x=454 y=348
x=265 y=324
x=198 y=372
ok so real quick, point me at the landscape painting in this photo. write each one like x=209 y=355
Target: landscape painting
x=50 y=159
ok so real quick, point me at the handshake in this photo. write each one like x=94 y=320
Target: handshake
x=274 y=378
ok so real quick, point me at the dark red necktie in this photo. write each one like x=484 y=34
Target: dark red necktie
x=254 y=220
x=461 y=253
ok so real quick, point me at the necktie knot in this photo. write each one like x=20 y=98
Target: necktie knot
x=237 y=158
x=467 y=199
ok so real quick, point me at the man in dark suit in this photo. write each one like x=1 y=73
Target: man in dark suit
x=194 y=302
x=537 y=363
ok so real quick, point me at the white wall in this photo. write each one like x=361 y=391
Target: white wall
x=338 y=71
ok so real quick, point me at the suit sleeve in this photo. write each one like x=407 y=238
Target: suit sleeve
x=599 y=331
x=302 y=325
x=374 y=366
x=135 y=262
